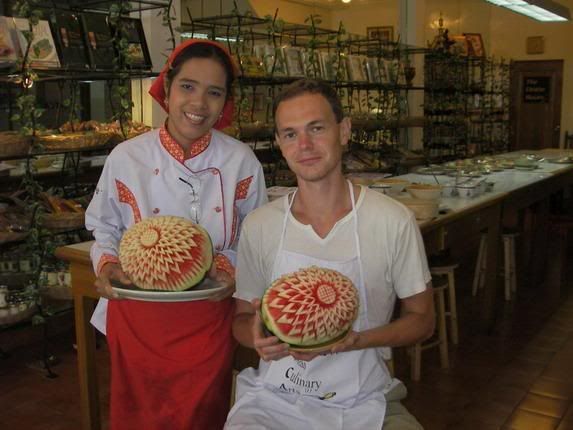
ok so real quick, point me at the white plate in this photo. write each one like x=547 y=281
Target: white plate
x=203 y=291
x=562 y=160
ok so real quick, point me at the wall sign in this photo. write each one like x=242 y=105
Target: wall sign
x=536 y=89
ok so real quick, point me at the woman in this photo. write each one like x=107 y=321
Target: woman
x=171 y=362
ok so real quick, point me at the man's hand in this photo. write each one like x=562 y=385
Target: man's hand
x=349 y=343
x=110 y=271
x=223 y=278
x=268 y=348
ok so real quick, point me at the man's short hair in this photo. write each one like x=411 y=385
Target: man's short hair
x=310 y=86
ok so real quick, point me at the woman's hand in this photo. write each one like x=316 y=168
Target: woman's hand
x=224 y=279
x=268 y=348
x=109 y=272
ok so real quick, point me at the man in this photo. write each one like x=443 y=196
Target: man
x=368 y=237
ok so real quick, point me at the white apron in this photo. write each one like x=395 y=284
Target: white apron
x=337 y=391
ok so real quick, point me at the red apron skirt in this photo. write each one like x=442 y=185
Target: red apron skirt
x=170 y=364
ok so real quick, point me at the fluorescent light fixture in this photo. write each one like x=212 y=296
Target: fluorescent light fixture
x=541 y=10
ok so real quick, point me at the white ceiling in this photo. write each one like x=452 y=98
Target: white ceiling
x=334 y=4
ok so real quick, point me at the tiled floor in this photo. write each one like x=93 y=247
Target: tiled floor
x=519 y=376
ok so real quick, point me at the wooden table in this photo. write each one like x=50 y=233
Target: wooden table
x=85 y=297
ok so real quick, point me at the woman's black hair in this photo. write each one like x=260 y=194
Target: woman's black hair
x=202 y=50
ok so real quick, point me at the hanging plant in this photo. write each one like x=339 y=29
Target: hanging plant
x=28 y=113
x=121 y=96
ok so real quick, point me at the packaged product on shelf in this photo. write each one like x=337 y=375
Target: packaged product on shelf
x=42 y=52
x=70 y=42
x=98 y=39
x=273 y=59
x=8 y=49
x=137 y=52
x=293 y=60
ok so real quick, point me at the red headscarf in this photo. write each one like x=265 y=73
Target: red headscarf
x=157 y=90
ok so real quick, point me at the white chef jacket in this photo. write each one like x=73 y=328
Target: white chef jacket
x=143 y=177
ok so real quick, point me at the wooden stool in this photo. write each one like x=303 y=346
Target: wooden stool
x=509 y=266
x=451 y=308
x=441 y=341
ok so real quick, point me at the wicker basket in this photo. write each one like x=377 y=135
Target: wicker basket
x=66 y=220
x=13 y=144
x=58 y=142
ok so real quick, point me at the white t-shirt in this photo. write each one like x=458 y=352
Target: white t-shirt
x=391 y=246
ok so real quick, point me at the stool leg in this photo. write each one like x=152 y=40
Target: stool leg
x=453 y=309
x=479 y=264
x=416 y=361
x=513 y=267
x=506 y=271
x=442 y=333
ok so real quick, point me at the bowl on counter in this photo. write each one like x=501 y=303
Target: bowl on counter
x=468 y=190
x=391 y=185
x=425 y=191
x=423 y=209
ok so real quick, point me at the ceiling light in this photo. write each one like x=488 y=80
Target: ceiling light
x=346 y=1
x=541 y=10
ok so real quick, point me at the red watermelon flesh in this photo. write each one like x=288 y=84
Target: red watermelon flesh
x=310 y=307
x=166 y=253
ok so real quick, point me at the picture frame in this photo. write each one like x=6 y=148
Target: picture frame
x=293 y=60
x=384 y=33
x=475 y=44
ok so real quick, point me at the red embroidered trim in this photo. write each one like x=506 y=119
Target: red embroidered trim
x=242 y=188
x=104 y=259
x=126 y=196
x=176 y=151
x=224 y=264
x=241 y=192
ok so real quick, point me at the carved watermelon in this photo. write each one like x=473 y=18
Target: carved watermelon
x=311 y=307
x=166 y=253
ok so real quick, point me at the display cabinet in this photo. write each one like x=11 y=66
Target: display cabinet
x=369 y=75
x=466 y=105
x=51 y=151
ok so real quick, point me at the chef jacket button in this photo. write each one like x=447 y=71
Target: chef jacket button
x=217 y=248
x=218 y=209
x=156 y=210
x=156 y=171
x=215 y=172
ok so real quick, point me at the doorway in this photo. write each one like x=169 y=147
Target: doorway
x=536 y=104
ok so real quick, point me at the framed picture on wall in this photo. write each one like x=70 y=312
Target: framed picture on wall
x=475 y=44
x=383 y=33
